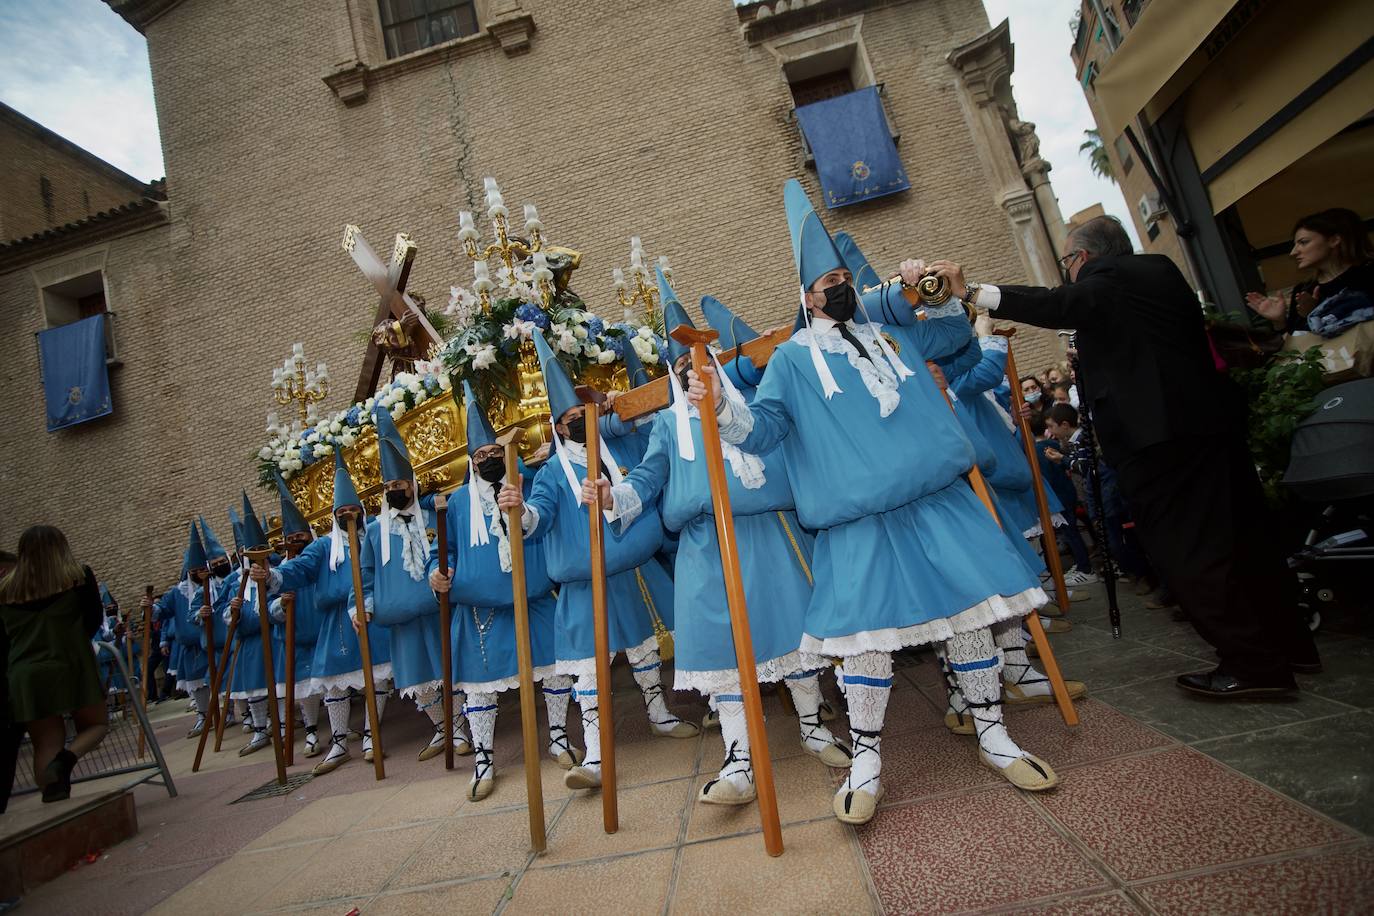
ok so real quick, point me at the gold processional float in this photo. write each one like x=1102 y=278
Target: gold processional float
x=512 y=388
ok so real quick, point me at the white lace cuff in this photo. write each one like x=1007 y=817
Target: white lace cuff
x=273 y=580
x=949 y=310
x=276 y=611
x=625 y=505
x=736 y=423
x=529 y=519
x=367 y=608
x=993 y=342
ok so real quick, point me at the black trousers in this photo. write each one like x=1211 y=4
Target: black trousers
x=1200 y=515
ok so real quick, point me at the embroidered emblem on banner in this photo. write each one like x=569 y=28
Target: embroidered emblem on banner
x=860 y=170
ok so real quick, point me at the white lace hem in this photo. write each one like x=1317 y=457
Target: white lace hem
x=504 y=684
x=302 y=689
x=339 y=684
x=188 y=686
x=423 y=687
x=983 y=614
x=726 y=680
x=1034 y=531
x=250 y=694
x=586 y=667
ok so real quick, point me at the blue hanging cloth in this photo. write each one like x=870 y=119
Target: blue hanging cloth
x=76 y=381
x=855 y=156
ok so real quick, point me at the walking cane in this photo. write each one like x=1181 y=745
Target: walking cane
x=1089 y=444
x=288 y=605
x=445 y=625
x=524 y=653
x=258 y=556
x=213 y=717
x=605 y=704
x=1042 y=503
x=228 y=678
x=215 y=672
x=1037 y=631
x=365 y=649
x=734 y=596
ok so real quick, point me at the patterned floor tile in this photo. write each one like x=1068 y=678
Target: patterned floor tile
x=1117 y=904
x=1155 y=814
x=629 y=885
x=1101 y=732
x=969 y=852
x=650 y=816
x=1337 y=882
x=929 y=762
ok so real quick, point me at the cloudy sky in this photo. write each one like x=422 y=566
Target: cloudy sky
x=77 y=68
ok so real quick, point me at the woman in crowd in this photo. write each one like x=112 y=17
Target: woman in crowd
x=1334 y=246
x=50 y=608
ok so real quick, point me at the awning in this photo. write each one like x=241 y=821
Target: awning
x=1154 y=51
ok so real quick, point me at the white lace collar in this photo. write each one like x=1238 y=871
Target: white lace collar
x=878 y=376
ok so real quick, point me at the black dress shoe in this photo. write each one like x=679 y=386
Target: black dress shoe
x=1222 y=685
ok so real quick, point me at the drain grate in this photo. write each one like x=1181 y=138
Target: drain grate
x=274 y=790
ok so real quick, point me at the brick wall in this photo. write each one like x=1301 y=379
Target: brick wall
x=624 y=118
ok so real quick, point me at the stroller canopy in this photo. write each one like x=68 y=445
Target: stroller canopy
x=1333 y=449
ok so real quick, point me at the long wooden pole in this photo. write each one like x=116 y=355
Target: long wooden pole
x=258 y=556
x=605 y=704
x=216 y=671
x=445 y=625
x=214 y=717
x=145 y=669
x=734 y=597
x=365 y=649
x=228 y=678
x=288 y=605
x=1042 y=502
x=524 y=653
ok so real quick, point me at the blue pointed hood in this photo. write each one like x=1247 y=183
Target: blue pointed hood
x=562 y=398
x=345 y=493
x=292 y=521
x=105 y=596
x=253 y=535
x=732 y=329
x=480 y=431
x=213 y=548
x=195 y=553
x=634 y=369
x=236 y=524
x=674 y=315
x=864 y=274
x=812 y=248
x=391 y=448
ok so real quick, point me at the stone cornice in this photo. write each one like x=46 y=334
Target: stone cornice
x=986 y=63
x=769 y=18
x=142 y=13
x=130 y=218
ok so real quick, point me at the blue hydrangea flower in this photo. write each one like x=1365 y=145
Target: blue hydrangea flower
x=616 y=343
x=530 y=312
x=595 y=327
x=307 y=453
x=354 y=415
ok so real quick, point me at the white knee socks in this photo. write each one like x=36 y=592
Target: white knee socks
x=338 y=709
x=645 y=664
x=591 y=720
x=1016 y=667
x=201 y=697
x=557 y=692
x=738 y=767
x=977 y=664
x=480 y=710
x=805 y=688
x=867 y=682
x=955 y=704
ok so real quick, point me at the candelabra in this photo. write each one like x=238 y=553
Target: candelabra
x=512 y=250
x=293 y=382
x=644 y=292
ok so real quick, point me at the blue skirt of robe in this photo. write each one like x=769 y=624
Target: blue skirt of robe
x=484 y=660
x=338 y=662
x=632 y=598
x=415 y=651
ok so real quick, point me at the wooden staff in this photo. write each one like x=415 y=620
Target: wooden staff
x=1042 y=642
x=1042 y=503
x=734 y=596
x=605 y=705
x=258 y=556
x=364 y=649
x=145 y=668
x=213 y=717
x=445 y=625
x=524 y=654
x=228 y=679
x=288 y=605
x=216 y=670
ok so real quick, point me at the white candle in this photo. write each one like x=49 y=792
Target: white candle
x=663 y=263
x=496 y=206
x=531 y=214
x=481 y=274
x=636 y=258
x=272 y=422
x=321 y=371
x=489 y=185
x=467 y=230
x=635 y=244
x=298 y=351
x=618 y=278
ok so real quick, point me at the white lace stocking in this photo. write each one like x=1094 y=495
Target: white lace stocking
x=805 y=688
x=738 y=768
x=202 y=701
x=1016 y=667
x=480 y=710
x=591 y=721
x=557 y=692
x=977 y=664
x=867 y=682
x=646 y=667
x=338 y=709
x=955 y=704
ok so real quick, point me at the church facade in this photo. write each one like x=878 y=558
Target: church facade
x=282 y=122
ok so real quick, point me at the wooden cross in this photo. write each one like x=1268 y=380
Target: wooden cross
x=393 y=300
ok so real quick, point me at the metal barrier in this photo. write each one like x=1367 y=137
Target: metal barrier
x=119 y=752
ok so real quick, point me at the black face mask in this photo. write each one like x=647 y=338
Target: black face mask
x=397 y=499
x=841 y=302
x=220 y=570
x=577 y=429
x=682 y=376
x=492 y=468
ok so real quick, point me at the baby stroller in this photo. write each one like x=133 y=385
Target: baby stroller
x=1332 y=463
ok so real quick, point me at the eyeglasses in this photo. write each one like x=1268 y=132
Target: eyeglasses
x=1064 y=261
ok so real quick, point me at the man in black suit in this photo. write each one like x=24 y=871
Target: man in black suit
x=1173 y=428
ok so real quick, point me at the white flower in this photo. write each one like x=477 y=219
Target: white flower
x=369 y=404
x=484 y=358
x=605 y=356
x=279 y=451
x=324 y=448
x=336 y=427
x=518 y=329
x=445 y=383
x=415 y=386
x=567 y=342
x=398 y=412
x=580 y=332
x=347 y=439
x=645 y=334
x=265 y=453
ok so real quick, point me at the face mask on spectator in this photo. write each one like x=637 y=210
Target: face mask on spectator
x=1032 y=397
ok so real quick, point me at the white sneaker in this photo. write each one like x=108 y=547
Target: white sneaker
x=1075 y=577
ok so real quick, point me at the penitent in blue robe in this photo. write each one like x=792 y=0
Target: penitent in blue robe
x=637 y=587
x=307 y=620
x=193 y=666
x=167 y=610
x=483 y=627
x=774 y=554
x=249 y=680
x=336 y=663
x=405 y=607
x=905 y=552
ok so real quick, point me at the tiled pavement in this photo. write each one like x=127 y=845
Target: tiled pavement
x=1169 y=804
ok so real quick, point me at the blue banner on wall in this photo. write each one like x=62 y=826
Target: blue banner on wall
x=75 y=379
x=855 y=156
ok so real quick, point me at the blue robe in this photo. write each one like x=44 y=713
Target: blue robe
x=774 y=553
x=905 y=552
x=483 y=612
x=308 y=620
x=165 y=612
x=193 y=666
x=637 y=587
x=404 y=607
x=336 y=663
x=249 y=680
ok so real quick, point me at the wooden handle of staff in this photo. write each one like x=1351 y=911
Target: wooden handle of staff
x=734 y=597
x=214 y=721
x=445 y=625
x=524 y=653
x=258 y=556
x=288 y=604
x=365 y=649
x=228 y=677
x=610 y=814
